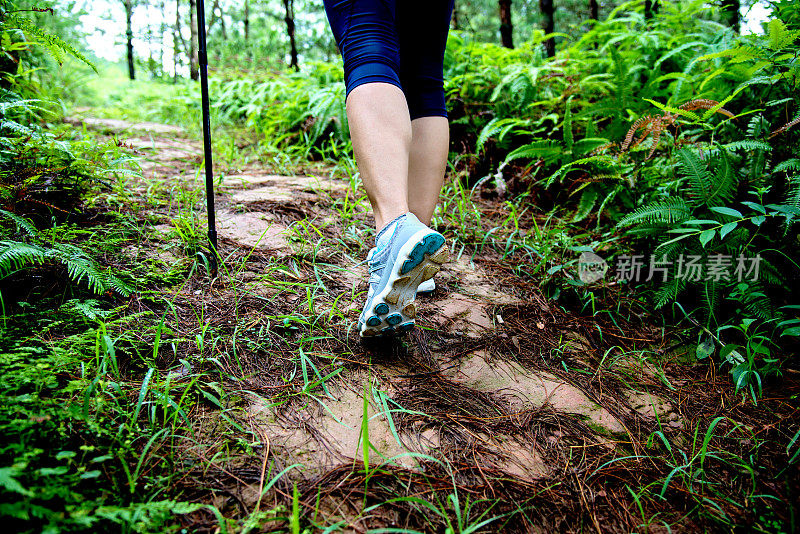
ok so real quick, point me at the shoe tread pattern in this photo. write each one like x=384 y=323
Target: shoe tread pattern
x=396 y=312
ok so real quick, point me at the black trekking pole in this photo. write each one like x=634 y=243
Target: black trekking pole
x=202 y=56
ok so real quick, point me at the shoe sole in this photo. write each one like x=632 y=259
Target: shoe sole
x=393 y=310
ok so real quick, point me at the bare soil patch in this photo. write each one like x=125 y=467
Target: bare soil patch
x=499 y=394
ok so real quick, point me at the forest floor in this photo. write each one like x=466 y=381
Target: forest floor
x=501 y=406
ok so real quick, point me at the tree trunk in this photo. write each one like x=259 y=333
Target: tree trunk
x=289 y=7
x=176 y=40
x=730 y=10
x=194 y=61
x=221 y=18
x=549 y=25
x=246 y=20
x=151 y=61
x=650 y=8
x=594 y=10
x=455 y=21
x=506 y=29
x=129 y=35
x=162 y=29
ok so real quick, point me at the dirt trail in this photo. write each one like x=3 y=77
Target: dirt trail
x=493 y=377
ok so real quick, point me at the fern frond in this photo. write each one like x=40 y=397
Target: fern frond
x=645 y=123
x=704 y=103
x=590 y=145
x=767 y=272
x=585 y=204
x=757 y=127
x=668 y=292
x=53 y=43
x=701 y=182
x=669 y=211
x=748 y=144
x=20 y=222
x=793 y=193
x=785 y=127
x=500 y=128
x=757 y=303
x=545 y=149
x=80 y=266
x=15 y=127
x=622 y=83
x=15 y=255
x=787 y=165
x=604 y=165
x=725 y=180
x=567 y=126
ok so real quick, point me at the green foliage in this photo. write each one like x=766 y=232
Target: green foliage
x=34 y=35
x=16 y=256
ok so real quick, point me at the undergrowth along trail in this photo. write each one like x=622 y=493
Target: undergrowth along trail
x=501 y=411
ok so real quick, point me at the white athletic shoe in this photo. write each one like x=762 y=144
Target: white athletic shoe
x=412 y=255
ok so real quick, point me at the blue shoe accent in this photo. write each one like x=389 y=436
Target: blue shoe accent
x=374 y=321
x=382 y=309
x=394 y=319
x=405 y=327
x=429 y=245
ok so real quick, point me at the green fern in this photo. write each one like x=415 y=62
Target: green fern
x=622 y=84
x=547 y=150
x=499 y=128
x=669 y=212
x=668 y=291
x=15 y=256
x=787 y=165
x=567 y=126
x=21 y=223
x=706 y=188
x=793 y=193
x=54 y=44
x=585 y=204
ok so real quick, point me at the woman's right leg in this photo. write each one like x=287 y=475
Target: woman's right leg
x=380 y=124
x=380 y=129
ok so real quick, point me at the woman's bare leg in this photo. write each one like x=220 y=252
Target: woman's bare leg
x=427 y=162
x=380 y=128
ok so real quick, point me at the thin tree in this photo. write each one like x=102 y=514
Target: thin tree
x=594 y=10
x=177 y=40
x=730 y=10
x=289 y=18
x=162 y=29
x=246 y=20
x=194 y=61
x=548 y=11
x=221 y=18
x=129 y=37
x=506 y=29
x=456 y=21
x=650 y=8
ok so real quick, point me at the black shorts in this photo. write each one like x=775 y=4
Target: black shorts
x=400 y=42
